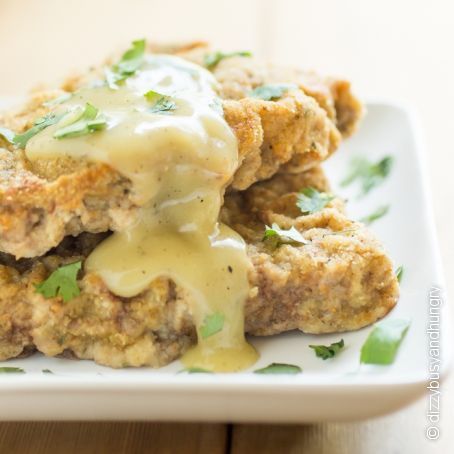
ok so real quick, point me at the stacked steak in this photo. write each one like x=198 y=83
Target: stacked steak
x=56 y=212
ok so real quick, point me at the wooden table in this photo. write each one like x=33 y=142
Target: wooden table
x=394 y=49
x=403 y=432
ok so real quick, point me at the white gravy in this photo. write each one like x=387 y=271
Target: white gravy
x=179 y=162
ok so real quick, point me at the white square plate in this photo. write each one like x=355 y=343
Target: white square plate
x=337 y=389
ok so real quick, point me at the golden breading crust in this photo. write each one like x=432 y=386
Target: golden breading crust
x=36 y=214
x=269 y=133
x=342 y=280
x=239 y=75
x=44 y=201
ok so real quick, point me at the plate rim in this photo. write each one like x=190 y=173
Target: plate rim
x=278 y=385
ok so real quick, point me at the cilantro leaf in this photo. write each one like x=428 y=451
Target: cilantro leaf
x=399 y=273
x=195 y=370
x=113 y=78
x=47 y=371
x=279 y=368
x=132 y=59
x=7 y=134
x=213 y=59
x=58 y=100
x=88 y=121
x=164 y=105
x=216 y=105
x=271 y=92
x=340 y=232
x=161 y=103
x=41 y=123
x=11 y=370
x=309 y=200
x=377 y=214
x=129 y=63
x=212 y=324
x=328 y=351
x=368 y=174
x=383 y=342
x=62 y=282
x=276 y=236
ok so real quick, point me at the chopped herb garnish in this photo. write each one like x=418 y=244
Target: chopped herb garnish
x=161 y=103
x=216 y=105
x=275 y=236
x=89 y=120
x=41 y=123
x=278 y=368
x=369 y=174
x=59 y=100
x=130 y=62
x=271 y=92
x=7 y=134
x=212 y=60
x=328 y=351
x=399 y=273
x=377 y=214
x=383 y=342
x=113 y=78
x=47 y=371
x=62 y=282
x=132 y=59
x=212 y=324
x=309 y=200
x=11 y=370
x=340 y=232
x=195 y=370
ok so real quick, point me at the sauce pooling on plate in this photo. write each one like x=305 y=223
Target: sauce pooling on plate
x=163 y=129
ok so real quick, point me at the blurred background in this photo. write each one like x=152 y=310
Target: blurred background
x=394 y=49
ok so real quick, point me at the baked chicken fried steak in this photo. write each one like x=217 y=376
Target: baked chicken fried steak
x=341 y=280
x=165 y=204
x=44 y=200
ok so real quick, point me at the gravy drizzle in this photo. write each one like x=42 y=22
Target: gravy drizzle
x=179 y=161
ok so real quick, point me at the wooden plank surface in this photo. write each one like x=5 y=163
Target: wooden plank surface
x=112 y=438
x=401 y=433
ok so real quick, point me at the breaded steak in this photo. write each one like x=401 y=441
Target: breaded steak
x=41 y=202
x=341 y=280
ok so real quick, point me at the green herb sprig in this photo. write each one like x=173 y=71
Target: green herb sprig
x=328 y=351
x=89 y=120
x=7 y=134
x=279 y=368
x=11 y=370
x=212 y=324
x=399 y=273
x=213 y=59
x=377 y=214
x=62 y=282
x=129 y=63
x=41 y=123
x=195 y=370
x=58 y=100
x=275 y=236
x=309 y=200
x=271 y=92
x=383 y=342
x=160 y=103
x=368 y=174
